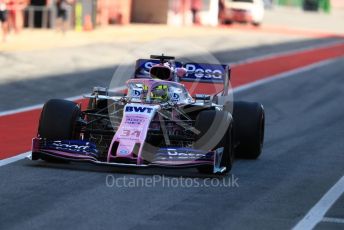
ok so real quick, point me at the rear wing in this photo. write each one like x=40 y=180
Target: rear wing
x=201 y=78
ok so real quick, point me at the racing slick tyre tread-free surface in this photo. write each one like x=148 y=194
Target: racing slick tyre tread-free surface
x=249 y=123
x=210 y=121
x=57 y=121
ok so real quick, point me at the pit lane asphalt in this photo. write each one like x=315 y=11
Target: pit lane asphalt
x=302 y=159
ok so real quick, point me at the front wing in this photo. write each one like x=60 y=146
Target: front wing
x=85 y=151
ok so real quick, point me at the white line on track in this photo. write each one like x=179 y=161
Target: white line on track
x=316 y=214
x=333 y=220
x=14 y=159
x=237 y=89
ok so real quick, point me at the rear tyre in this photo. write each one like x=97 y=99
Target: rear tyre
x=249 y=126
x=210 y=124
x=58 y=122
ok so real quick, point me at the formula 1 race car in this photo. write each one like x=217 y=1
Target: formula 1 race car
x=156 y=121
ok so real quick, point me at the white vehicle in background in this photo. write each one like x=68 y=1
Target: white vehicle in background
x=244 y=11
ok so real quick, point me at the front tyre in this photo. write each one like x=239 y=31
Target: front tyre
x=58 y=122
x=212 y=123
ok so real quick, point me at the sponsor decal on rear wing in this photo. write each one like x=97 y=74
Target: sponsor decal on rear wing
x=196 y=72
x=208 y=73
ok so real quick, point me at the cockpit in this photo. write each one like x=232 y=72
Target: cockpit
x=157 y=91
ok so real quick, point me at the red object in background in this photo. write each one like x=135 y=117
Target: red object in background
x=196 y=4
x=196 y=7
x=113 y=11
x=241 y=16
x=88 y=26
x=16 y=14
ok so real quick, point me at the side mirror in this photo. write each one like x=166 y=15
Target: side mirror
x=98 y=90
x=203 y=97
x=181 y=72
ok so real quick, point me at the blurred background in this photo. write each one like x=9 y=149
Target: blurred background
x=89 y=14
x=28 y=24
x=46 y=43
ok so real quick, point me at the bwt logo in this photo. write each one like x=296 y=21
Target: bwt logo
x=138 y=109
x=203 y=73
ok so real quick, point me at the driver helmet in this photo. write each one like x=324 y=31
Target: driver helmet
x=160 y=93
